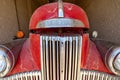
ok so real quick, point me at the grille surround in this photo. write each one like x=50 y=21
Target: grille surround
x=85 y=75
x=60 y=57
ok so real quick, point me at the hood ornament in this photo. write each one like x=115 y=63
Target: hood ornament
x=60 y=9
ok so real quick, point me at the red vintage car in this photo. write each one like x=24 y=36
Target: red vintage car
x=59 y=48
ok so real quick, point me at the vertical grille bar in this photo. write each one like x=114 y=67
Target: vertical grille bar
x=76 y=55
x=67 y=58
x=78 y=51
x=70 y=59
x=54 y=60
x=60 y=57
x=73 y=55
x=43 y=46
x=47 y=58
x=51 y=61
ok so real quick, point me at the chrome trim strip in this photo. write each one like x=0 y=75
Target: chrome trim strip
x=54 y=61
x=78 y=50
x=67 y=57
x=85 y=75
x=61 y=54
x=60 y=9
x=70 y=60
x=62 y=57
x=47 y=61
x=60 y=22
x=58 y=59
x=51 y=59
x=42 y=66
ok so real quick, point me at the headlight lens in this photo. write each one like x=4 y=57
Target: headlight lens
x=117 y=62
x=3 y=63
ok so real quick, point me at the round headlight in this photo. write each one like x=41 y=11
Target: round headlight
x=113 y=60
x=6 y=61
x=110 y=53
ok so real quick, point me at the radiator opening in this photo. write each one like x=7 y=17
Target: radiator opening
x=60 y=57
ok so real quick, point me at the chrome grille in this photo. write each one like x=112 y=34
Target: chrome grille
x=85 y=75
x=35 y=75
x=95 y=75
x=60 y=57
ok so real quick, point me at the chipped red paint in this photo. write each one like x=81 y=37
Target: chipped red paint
x=35 y=48
x=94 y=60
x=26 y=60
x=85 y=49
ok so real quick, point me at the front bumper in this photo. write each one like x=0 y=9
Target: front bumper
x=85 y=75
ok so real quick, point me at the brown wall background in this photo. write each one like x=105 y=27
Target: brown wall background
x=104 y=17
x=8 y=18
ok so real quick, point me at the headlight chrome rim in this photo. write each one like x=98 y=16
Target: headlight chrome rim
x=9 y=58
x=110 y=62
